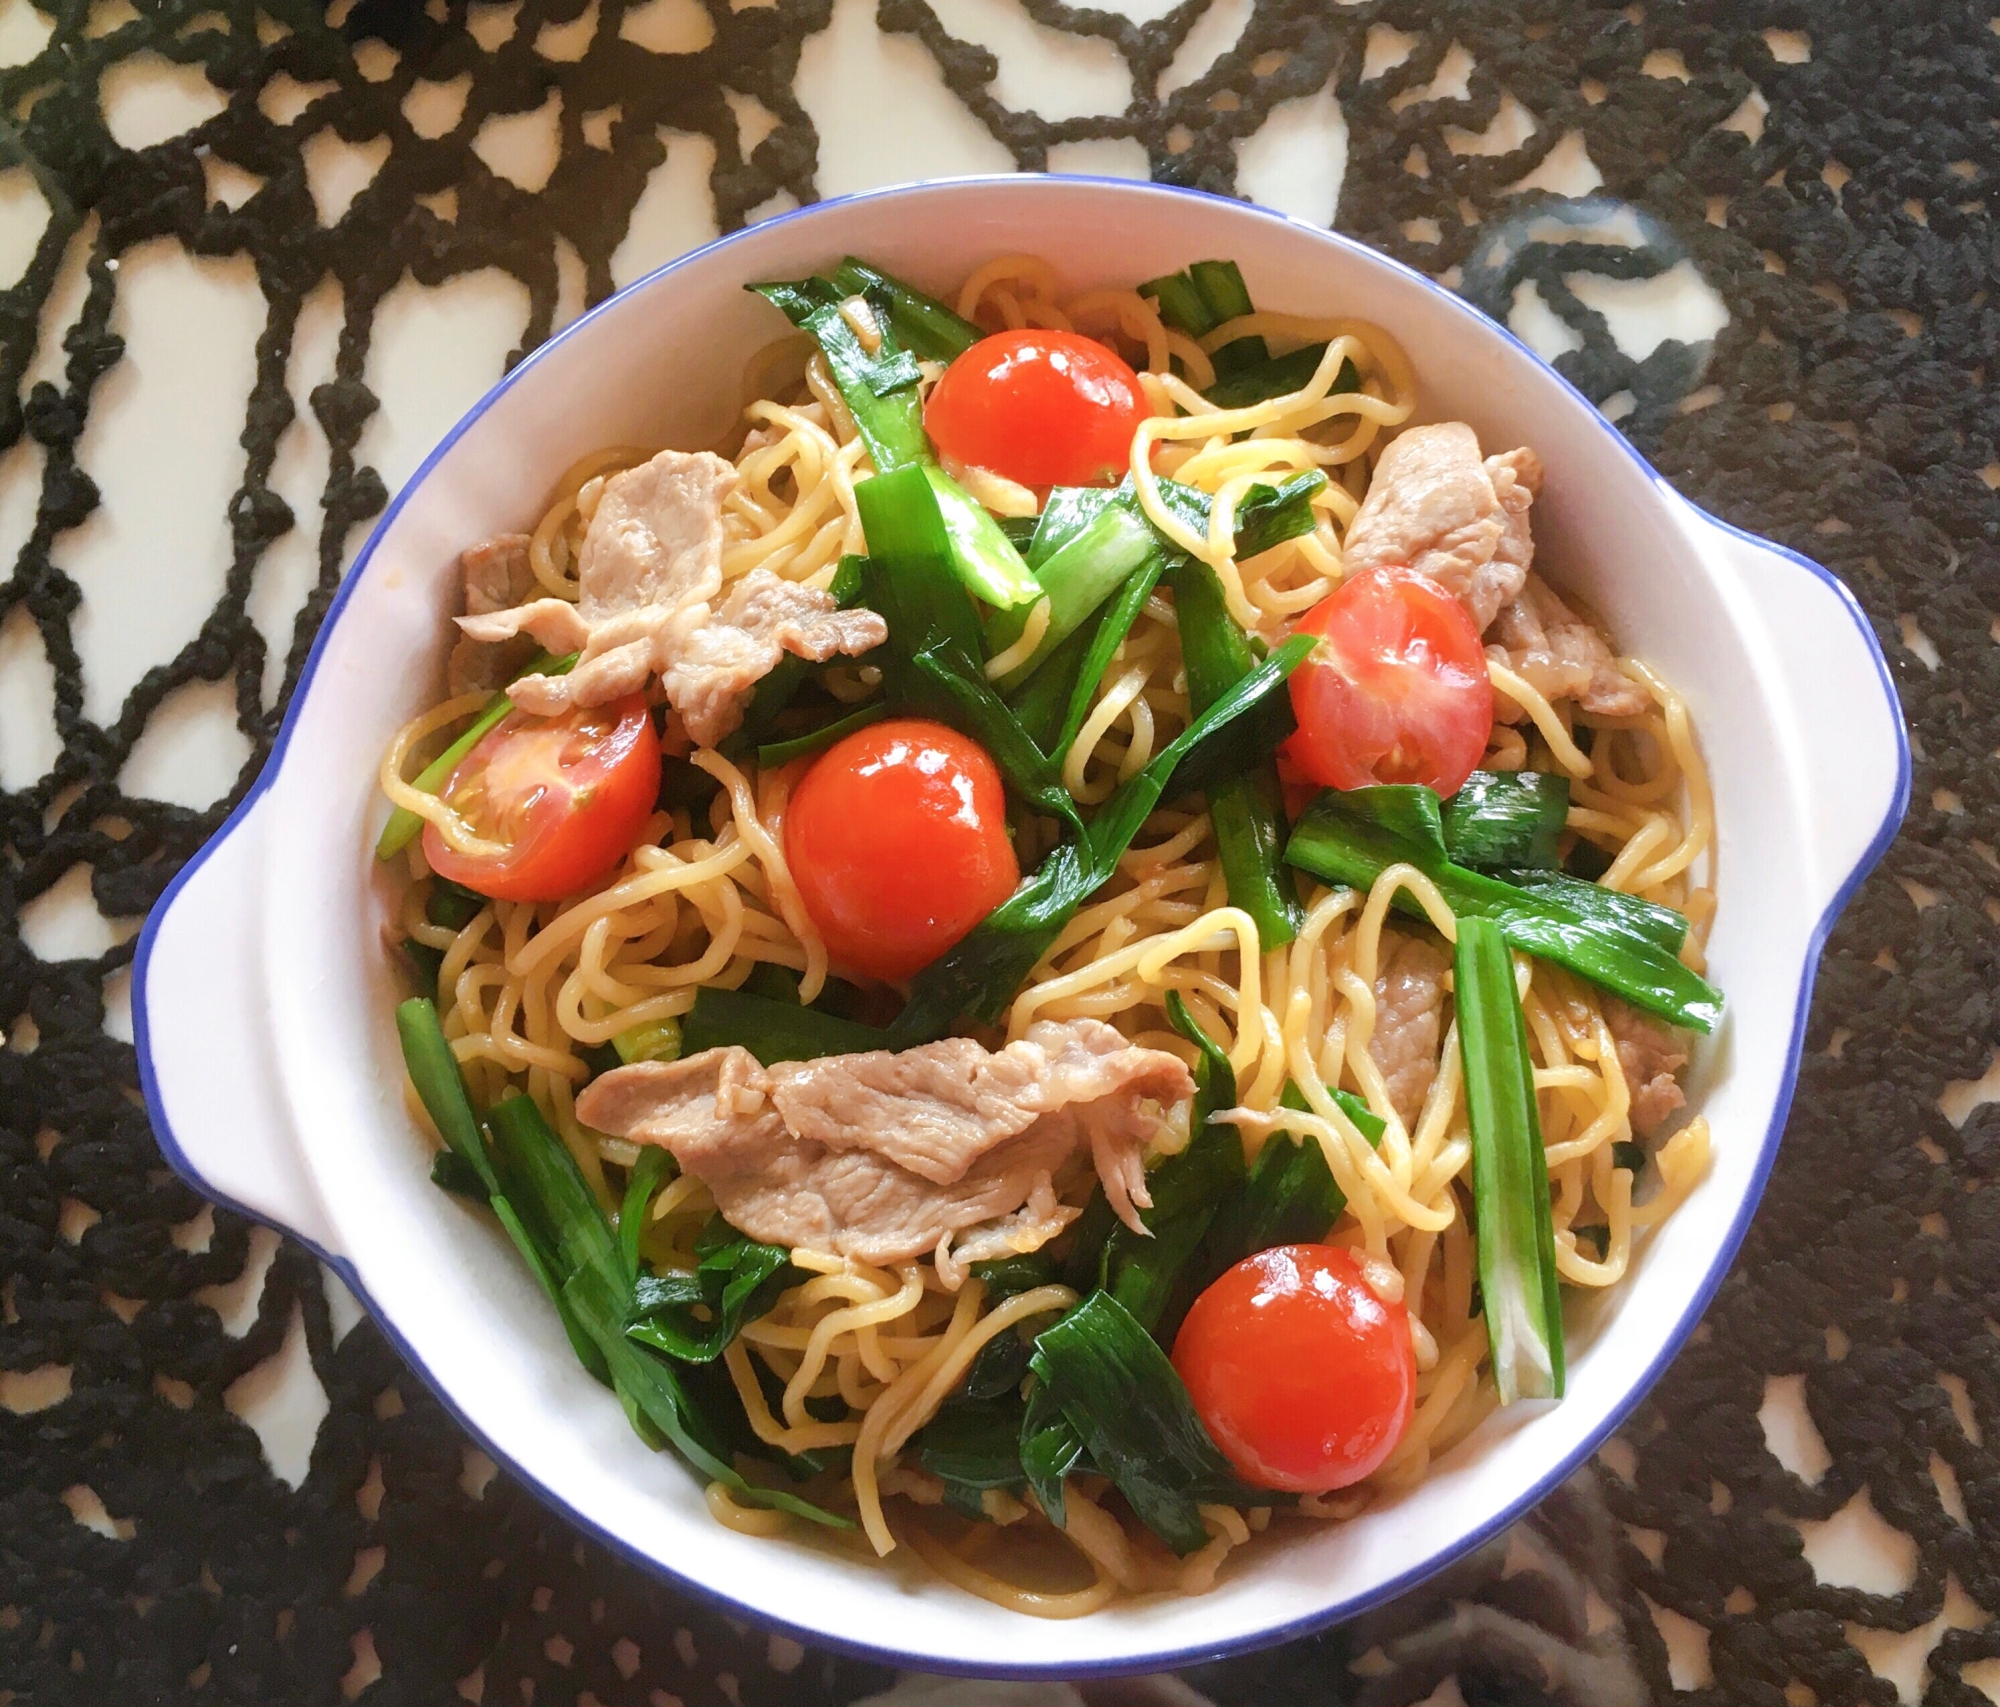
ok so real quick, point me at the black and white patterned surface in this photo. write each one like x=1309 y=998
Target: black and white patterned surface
x=215 y=1485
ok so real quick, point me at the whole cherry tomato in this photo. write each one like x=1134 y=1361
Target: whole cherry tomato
x=1396 y=690
x=1043 y=408
x=897 y=840
x=567 y=796
x=1304 y=1376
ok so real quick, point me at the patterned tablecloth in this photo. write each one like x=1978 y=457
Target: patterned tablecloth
x=259 y=257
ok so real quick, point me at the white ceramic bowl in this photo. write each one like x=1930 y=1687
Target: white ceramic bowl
x=263 y=992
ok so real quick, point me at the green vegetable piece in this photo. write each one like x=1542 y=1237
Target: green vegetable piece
x=880 y=390
x=1007 y=1276
x=924 y=325
x=656 y=1040
x=1244 y=809
x=404 y=825
x=451 y=1172
x=973 y=1448
x=1106 y=636
x=652 y=1170
x=1134 y=1417
x=775 y=753
x=1228 y=298
x=452 y=904
x=1181 y=304
x=694 y=1316
x=1051 y=1451
x=1598 y=935
x=773 y=1031
x=426 y=962
x=1510 y=1173
x=1630 y=1156
x=1078 y=576
x=800 y=299
x=433 y=1070
x=1278 y=376
x=1507 y=818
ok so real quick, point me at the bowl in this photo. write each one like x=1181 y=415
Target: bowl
x=263 y=994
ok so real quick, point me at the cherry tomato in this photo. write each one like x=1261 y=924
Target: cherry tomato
x=1042 y=408
x=568 y=796
x=897 y=840
x=1397 y=689
x=1305 y=1377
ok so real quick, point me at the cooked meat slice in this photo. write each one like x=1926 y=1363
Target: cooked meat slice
x=709 y=684
x=649 y=573
x=1556 y=651
x=1650 y=1055
x=1409 y=1018
x=882 y=1156
x=1436 y=507
x=497 y=577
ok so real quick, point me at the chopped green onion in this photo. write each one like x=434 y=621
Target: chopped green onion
x=1278 y=376
x=1228 y=298
x=1510 y=1173
x=693 y=1316
x=652 y=1170
x=656 y=1040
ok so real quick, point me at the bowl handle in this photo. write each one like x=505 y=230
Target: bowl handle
x=205 y=1058
x=1849 y=747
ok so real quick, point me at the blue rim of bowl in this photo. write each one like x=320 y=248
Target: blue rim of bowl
x=1166 y=1658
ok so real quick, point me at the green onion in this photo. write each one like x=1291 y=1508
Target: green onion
x=403 y=824
x=971 y=1448
x=656 y=1040
x=1510 y=1173
x=652 y=1170
x=426 y=962
x=440 y=1087
x=879 y=388
x=980 y=973
x=1596 y=934
x=925 y=325
x=775 y=753
x=451 y=1172
x=1507 y=818
x=1228 y=298
x=1077 y=578
x=452 y=905
x=1006 y=1276
x=1107 y=634
x=597 y=1293
x=1243 y=809
x=735 y=1280
x=1278 y=376
x=1181 y=305
x=1630 y=1156
x=1130 y=1411
x=1051 y=1451
x=773 y=1031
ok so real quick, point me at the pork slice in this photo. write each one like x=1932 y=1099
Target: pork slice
x=497 y=576
x=649 y=576
x=710 y=682
x=1650 y=1055
x=1561 y=655
x=1434 y=506
x=882 y=1155
x=1409 y=1018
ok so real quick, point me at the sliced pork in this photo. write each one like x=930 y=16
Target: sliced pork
x=1436 y=506
x=888 y=1155
x=1557 y=652
x=1409 y=1018
x=649 y=574
x=1650 y=1055
x=497 y=577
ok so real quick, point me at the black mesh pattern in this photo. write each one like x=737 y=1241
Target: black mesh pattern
x=1845 y=410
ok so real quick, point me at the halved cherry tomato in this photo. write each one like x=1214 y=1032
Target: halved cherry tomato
x=568 y=796
x=1043 y=408
x=897 y=840
x=1304 y=1376
x=1397 y=689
